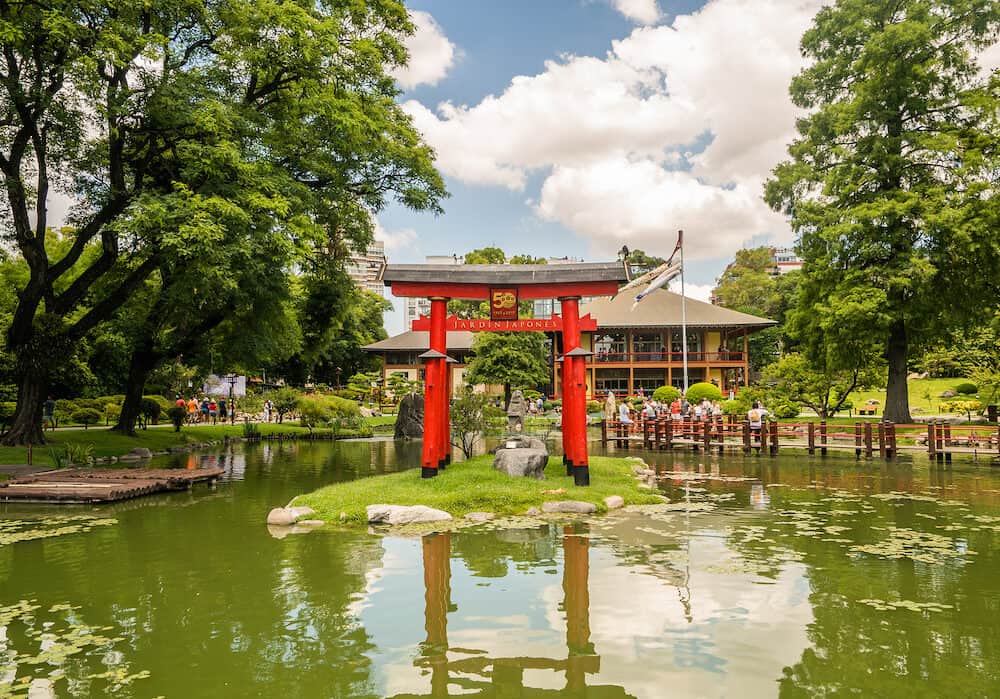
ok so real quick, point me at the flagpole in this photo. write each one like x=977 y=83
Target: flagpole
x=684 y=332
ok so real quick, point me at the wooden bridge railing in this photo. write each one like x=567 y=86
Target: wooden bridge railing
x=865 y=438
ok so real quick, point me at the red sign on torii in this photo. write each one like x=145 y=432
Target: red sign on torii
x=554 y=324
x=503 y=286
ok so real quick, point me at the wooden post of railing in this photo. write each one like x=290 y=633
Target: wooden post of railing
x=868 y=440
x=931 y=437
x=812 y=437
x=939 y=441
x=891 y=427
x=707 y=434
x=947 y=442
x=746 y=437
x=604 y=433
x=857 y=440
x=773 y=427
x=881 y=439
x=668 y=433
x=822 y=437
x=721 y=425
x=658 y=432
x=647 y=441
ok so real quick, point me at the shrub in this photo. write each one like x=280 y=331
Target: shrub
x=967 y=389
x=150 y=410
x=7 y=410
x=80 y=454
x=531 y=394
x=666 y=394
x=313 y=412
x=700 y=391
x=961 y=406
x=86 y=417
x=551 y=405
x=92 y=403
x=177 y=415
x=594 y=406
x=111 y=412
x=162 y=401
x=786 y=410
x=735 y=407
x=342 y=406
x=285 y=401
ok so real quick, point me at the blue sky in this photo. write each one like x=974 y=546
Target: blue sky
x=571 y=127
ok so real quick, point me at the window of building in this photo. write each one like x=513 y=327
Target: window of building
x=648 y=380
x=693 y=346
x=611 y=380
x=648 y=347
x=610 y=347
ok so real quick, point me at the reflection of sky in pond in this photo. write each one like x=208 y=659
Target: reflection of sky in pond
x=727 y=632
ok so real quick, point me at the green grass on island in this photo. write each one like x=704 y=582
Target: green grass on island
x=473 y=486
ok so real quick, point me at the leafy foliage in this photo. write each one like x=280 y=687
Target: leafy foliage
x=891 y=184
x=177 y=415
x=513 y=359
x=86 y=417
x=700 y=391
x=795 y=380
x=666 y=394
x=470 y=419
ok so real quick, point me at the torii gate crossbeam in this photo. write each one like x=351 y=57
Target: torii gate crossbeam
x=503 y=286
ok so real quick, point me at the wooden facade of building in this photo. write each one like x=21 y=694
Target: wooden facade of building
x=633 y=347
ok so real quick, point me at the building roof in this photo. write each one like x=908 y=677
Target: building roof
x=575 y=272
x=419 y=340
x=663 y=308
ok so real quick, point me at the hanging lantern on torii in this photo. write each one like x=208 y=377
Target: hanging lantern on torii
x=504 y=286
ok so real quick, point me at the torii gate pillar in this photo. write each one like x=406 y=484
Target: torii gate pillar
x=436 y=452
x=574 y=420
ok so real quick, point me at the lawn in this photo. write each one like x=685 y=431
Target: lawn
x=473 y=486
x=107 y=443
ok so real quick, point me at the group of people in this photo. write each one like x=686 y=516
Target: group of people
x=680 y=409
x=207 y=410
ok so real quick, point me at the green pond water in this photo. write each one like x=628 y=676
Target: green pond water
x=761 y=577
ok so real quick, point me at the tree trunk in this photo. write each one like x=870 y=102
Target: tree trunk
x=897 y=399
x=26 y=426
x=143 y=361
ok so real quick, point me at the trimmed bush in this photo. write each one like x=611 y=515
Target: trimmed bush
x=86 y=416
x=786 y=410
x=111 y=412
x=150 y=409
x=594 y=406
x=735 y=407
x=666 y=394
x=177 y=415
x=967 y=389
x=551 y=405
x=700 y=391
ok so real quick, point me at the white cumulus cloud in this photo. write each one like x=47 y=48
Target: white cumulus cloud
x=395 y=241
x=677 y=126
x=432 y=54
x=642 y=11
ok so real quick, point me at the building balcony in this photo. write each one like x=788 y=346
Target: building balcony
x=667 y=358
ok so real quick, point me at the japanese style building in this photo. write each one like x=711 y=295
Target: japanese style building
x=632 y=348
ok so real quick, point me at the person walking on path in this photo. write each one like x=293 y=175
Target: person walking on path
x=49 y=414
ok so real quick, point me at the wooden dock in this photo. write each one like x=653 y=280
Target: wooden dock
x=102 y=485
x=939 y=439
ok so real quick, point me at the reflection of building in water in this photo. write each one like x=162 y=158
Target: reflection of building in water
x=483 y=676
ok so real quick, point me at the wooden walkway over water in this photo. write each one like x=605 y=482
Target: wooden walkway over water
x=938 y=439
x=86 y=485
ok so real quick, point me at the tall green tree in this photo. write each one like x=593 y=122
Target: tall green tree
x=279 y=110
x=516 y=360
x=894 y=173
x=749 y=284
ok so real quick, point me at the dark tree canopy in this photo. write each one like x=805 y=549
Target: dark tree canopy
x=183 y=129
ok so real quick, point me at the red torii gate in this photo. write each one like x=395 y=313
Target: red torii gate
x=504 y=286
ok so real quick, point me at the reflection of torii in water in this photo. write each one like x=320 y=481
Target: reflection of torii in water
x=507 y=674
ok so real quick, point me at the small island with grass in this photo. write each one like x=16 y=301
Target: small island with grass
x=474 y=486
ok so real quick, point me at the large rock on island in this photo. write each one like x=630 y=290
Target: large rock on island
x=522 y=463
x=410 y=418
x=404 y=514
